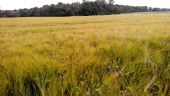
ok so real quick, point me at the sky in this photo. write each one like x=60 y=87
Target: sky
x=17 y=4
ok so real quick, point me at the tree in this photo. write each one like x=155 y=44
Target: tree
x=1 y=13
x=24 y=12
x=156 y=9
x=33 y=11
x=111 y=2
x=85 y=1
x=103 y=1
x=76 y=7
x=150 y=8
x=97 y=7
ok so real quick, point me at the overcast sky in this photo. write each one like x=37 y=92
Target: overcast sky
x=17 y=4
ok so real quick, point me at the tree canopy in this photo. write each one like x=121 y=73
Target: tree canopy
x=98 y=7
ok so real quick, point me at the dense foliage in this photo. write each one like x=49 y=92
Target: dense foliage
x=98 y=7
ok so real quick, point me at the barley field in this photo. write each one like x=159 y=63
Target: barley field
x=117 y=55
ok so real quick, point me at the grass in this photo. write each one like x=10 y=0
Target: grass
x=121 y=55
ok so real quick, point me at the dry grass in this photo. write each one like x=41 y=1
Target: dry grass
x=121 y=55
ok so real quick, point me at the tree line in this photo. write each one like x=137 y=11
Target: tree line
x=98 y=7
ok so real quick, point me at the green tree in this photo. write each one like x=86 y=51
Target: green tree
x=111 y=2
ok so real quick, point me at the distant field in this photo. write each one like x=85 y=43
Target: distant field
x=119 y=55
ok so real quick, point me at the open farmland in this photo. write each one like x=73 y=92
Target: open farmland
x=119 y=55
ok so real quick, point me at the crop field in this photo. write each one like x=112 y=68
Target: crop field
x=116 y=55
